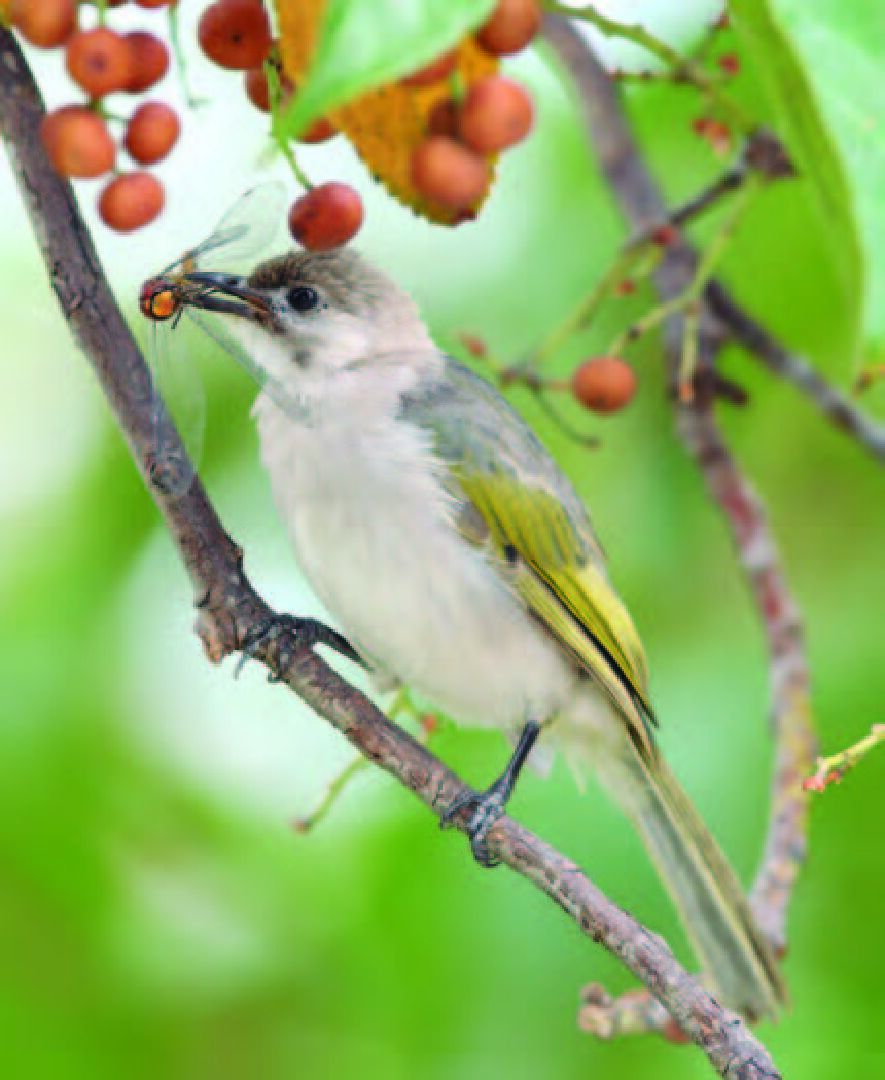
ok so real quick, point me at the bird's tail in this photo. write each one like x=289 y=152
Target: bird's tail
x=707 y=894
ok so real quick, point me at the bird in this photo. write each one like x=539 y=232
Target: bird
x=458 y=561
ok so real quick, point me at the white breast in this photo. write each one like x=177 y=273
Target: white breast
x=371 y=529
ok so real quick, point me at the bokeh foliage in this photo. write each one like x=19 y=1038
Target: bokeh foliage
x=158 y=916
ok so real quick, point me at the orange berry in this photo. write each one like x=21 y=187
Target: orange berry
x=151 y=132
x=149 y=59
x=99 y=61
x=604 y=384
x=235 y=33
x=434 y=72
x=45 y=23
x=496 y=113
x=512 y=26
x=448 y=173
x=326 y=217
x=77 y=142
x=131 y=201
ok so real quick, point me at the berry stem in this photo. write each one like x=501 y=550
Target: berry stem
x=277 y=125
x=191 y=100
x=457 y=87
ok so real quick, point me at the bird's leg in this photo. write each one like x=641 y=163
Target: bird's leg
x=488 y=806
x=305 y=632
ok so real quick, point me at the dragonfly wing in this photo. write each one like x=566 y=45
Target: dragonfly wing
x=179 y=405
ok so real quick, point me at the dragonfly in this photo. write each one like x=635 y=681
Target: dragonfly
x=245 y=231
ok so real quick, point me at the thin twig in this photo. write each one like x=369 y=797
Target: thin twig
x=683 y=67
x=229 y=607
x=795 y=744
x=832 y=769
x=837 y=407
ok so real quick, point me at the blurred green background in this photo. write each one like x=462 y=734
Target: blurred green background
x=158 y=916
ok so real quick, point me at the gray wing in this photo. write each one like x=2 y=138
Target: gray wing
x=471 y=425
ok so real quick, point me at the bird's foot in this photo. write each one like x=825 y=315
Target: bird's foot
x=487 y=807
x=303 y=633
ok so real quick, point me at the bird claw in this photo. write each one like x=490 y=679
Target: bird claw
x=304 y=632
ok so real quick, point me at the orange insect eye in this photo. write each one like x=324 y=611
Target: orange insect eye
x=163 y=304
x=157 y=301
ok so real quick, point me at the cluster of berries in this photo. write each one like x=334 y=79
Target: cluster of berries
x=101 y=62
x=236 y=34
x=451 y=166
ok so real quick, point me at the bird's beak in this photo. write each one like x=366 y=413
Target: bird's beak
x=225 y=293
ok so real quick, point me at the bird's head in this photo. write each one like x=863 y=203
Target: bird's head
x=309 y=316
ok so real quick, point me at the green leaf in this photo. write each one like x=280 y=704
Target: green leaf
x=798 y=121
x=365 y=43
x=842 y=44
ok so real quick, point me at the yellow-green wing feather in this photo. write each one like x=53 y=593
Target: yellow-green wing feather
x=512 y=495
x=565 y=587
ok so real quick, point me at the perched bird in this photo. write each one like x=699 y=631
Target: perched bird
x=460 y=562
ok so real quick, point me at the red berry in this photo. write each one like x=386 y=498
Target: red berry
x=326 y=217
x=448 y=173
x=131 y=201
x=99 y=61
x=475 y=345
x=434 y=72
x=604 y=384
x=149 y=60
x=496 y=113
x=664 y=235
x=77 y=142
x=716 y=133
x=443 y=118
x=45 y=23
x=154 y=3
x=235 y=33
x=512 y=26
x=730 y=63
x=319 y=131
x=257 y=89
x=152 y=132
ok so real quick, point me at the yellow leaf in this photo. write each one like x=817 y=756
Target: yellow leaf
x=387 y=124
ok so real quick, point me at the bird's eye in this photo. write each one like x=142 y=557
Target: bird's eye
x=303 y=298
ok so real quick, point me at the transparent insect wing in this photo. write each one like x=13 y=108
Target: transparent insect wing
x=214 y=326
x=179 y=400
x=246 y=230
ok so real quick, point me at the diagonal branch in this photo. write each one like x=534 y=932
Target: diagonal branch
x=229 y=608
x=641 y=202
x=834 y=405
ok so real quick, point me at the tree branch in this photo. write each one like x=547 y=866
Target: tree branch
x=229 y=607
x=641 y=202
